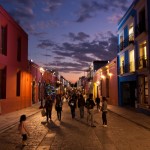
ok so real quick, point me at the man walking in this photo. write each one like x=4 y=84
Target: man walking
x=90 y=105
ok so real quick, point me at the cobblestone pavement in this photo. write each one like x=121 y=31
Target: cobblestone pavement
x=75 y=134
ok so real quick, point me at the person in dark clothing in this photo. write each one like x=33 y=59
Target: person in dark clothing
x=48 y=107
x=81 y=104
x=104 y=111
x=72 y=104
x=97 y=100
x=90 y=105
x=58 y=106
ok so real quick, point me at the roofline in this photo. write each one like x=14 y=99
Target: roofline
x=11 y=19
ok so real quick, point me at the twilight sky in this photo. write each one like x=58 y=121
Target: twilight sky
x=68 y=35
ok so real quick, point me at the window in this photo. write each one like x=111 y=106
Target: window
x=19 y=49
x=107 y=87
x=131 y=61
x=121 y=42
x=131 y=33
x=122 y=68
x=4 y=40
x=3 y=83
x=143 y=55
x=142 y=24
x=18 y=83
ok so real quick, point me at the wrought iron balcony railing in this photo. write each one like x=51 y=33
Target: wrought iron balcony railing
x=126 y=42
x=142 y=62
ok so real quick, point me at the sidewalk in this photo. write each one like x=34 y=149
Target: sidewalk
x=132 y=115
x=10 y=119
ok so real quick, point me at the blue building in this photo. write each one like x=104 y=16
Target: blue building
x=133 y=56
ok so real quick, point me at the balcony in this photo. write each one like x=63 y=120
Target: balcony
x=121 y=70
x=142 y=62
x=131 y=67
x=129 y=40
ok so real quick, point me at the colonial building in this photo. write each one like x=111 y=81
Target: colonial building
x=94 y=66
x=15 y=81
x=105 y=82
x=133 y=56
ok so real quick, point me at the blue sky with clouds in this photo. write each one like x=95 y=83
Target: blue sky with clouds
x=68 y=35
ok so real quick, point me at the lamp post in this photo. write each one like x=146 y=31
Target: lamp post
x=41 y=94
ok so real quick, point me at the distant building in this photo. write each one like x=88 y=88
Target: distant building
x=15 y=81
x=37 y=82
x=95 y=65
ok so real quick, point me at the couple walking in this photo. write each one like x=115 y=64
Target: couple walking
x=49 y=106
x=90 y=105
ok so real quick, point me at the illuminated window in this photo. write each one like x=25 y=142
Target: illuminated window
x=131 y=61
x=143 y=55
x=131 y=33
x=122 y=69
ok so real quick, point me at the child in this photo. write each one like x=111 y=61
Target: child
x=23 y=129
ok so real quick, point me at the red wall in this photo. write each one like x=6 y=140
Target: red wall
x=13 y=102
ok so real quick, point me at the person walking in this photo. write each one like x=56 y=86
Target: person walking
x=97 y=100
x=81 y=104
x=48 y=107
x=104 y=112
x=22 y=127
x=90 y=105
x=72 y=104
x=58 y=106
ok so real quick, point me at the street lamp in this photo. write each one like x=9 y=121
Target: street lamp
x=41 y=94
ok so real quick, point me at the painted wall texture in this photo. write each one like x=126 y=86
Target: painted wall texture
x=106 y=82
x=15 y=81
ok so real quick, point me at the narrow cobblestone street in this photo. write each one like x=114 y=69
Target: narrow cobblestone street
x=75 y=134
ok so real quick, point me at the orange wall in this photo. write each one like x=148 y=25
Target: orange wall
x=14 y=31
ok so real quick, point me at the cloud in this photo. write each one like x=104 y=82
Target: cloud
x=89 y=8
x=52 y=5
x=81 y=36
x=115 y=18
x=23 y=12
x=66 y=67
x=83 y=52
x=20 y=9
x=45 y=44
x=18 y=2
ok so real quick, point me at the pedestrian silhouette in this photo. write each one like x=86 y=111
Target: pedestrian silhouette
x=58 y=106
x=90 y=105
x=104 y=112
x=48 y=106
x=81 y=104
x=72 y=104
